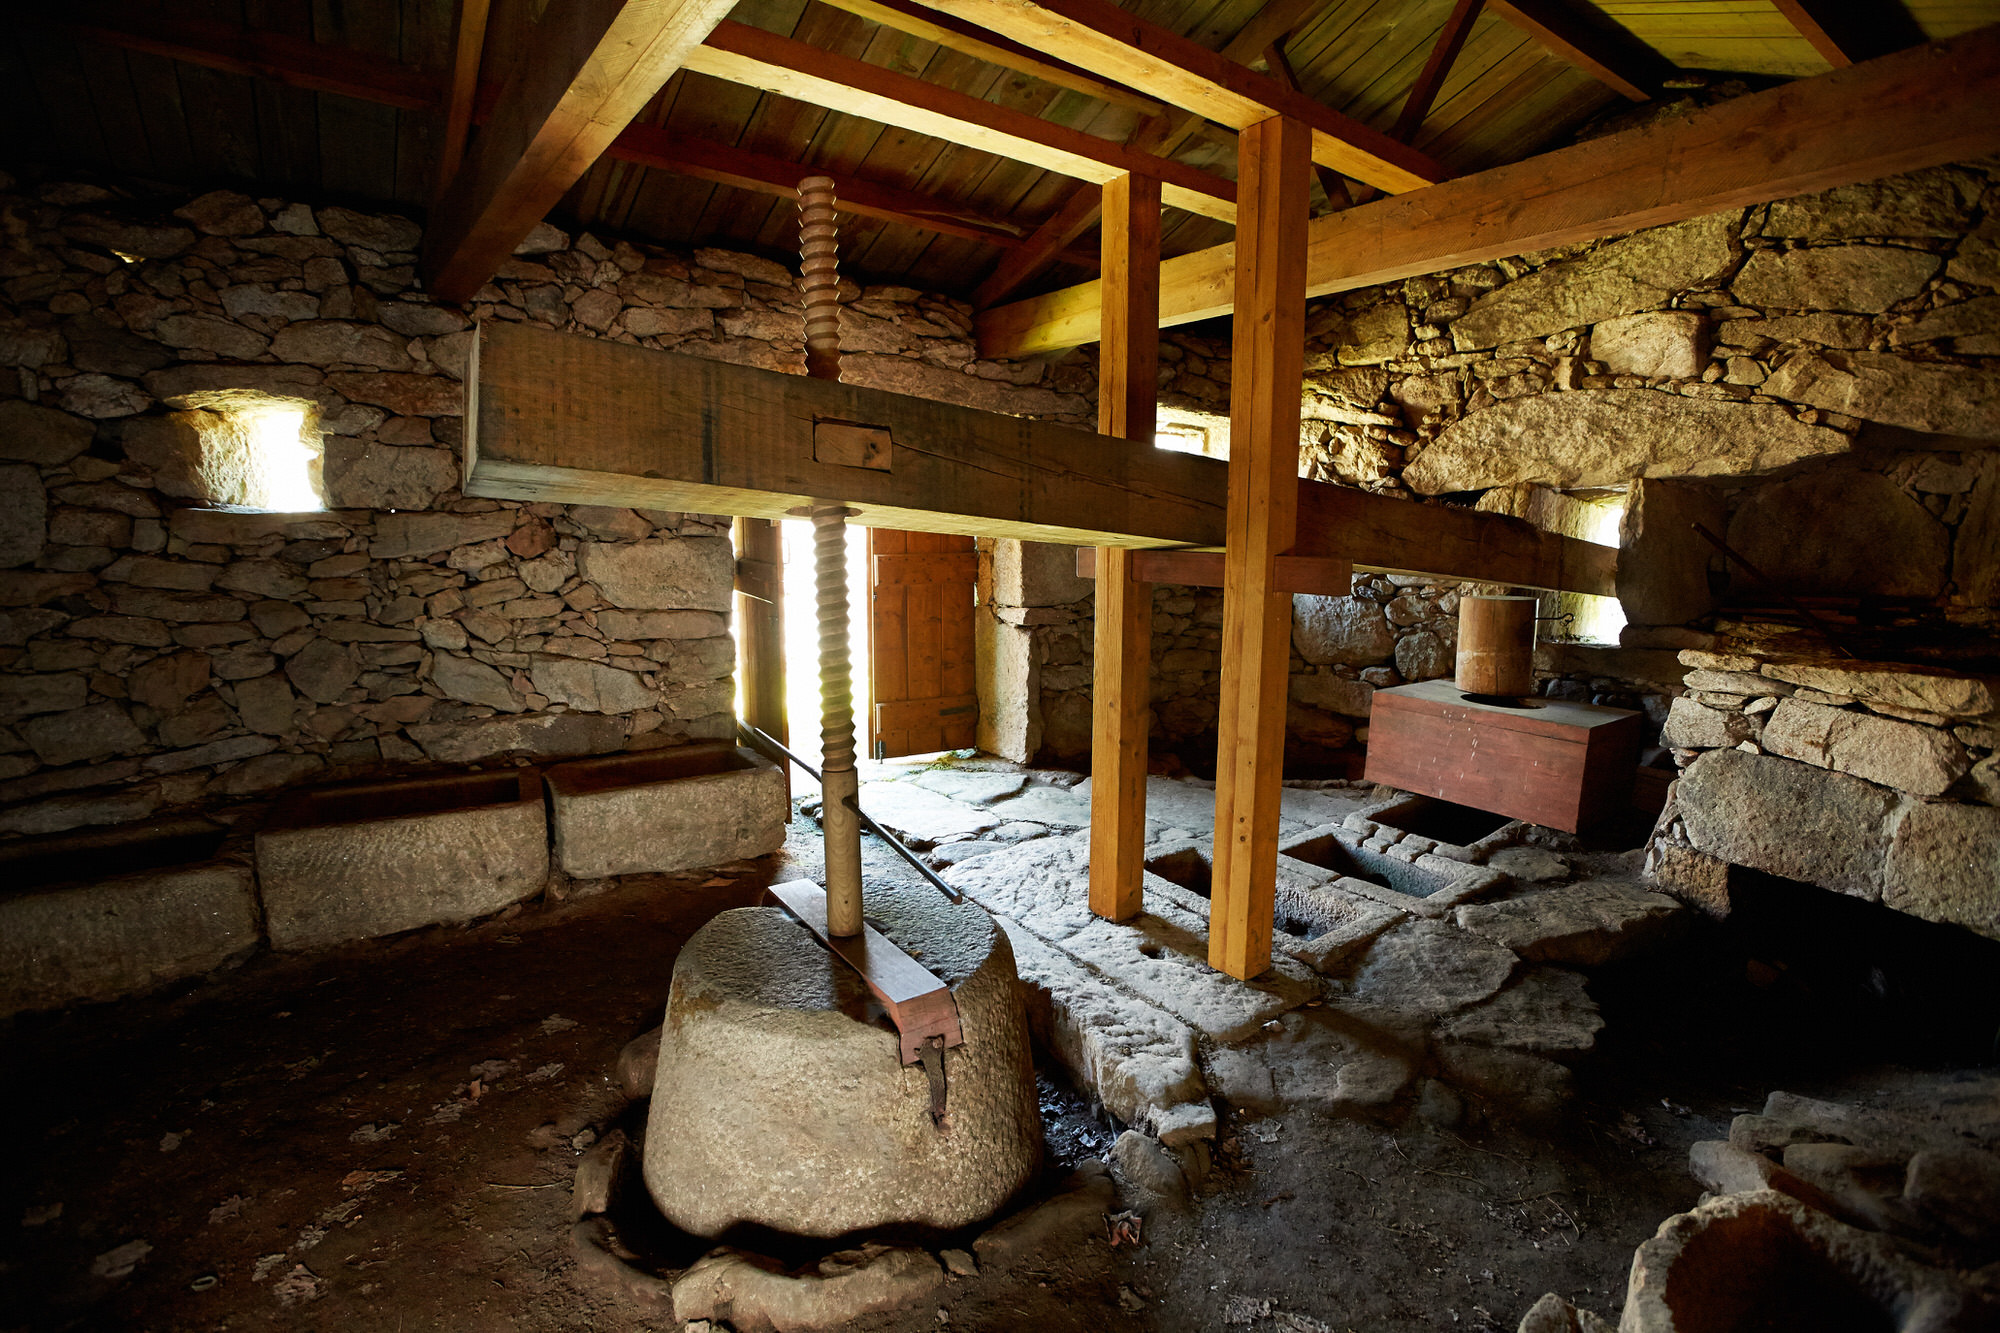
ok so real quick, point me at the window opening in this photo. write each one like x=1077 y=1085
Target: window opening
x=258 y=451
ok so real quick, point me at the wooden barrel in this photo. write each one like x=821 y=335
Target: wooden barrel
x=1496 y=646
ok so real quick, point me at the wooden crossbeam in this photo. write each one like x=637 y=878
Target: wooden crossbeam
x=952 y=34
x=1122 y=648
x=739 y=53
x=594 y=65
x=1593 y=43
x=1321 y=575
x=296 y=62
x=1186 y=74
x=1078 y=213
x=1267 y=372
x=576 y=420
x=1917 y=108
x=704 y=159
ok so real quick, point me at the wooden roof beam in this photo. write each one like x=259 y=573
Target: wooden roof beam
x=1186 y=74
x=1437 y=67
x=467 y=49
x=913 y=19
x=1590 y=41
x=595 y=64
x=1079 y=212
x=704 y=159
x=1844 y=32
x=1918 y=108
x=296 y=62
x=738 y=53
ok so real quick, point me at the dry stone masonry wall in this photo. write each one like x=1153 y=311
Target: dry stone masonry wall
x=156 y=652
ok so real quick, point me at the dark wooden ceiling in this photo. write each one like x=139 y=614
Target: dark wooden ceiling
x=77 y=98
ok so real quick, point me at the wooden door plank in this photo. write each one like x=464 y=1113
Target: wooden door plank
x=1918 y=108
x=760 y=610
x=1122 y=652
x=1268 y=372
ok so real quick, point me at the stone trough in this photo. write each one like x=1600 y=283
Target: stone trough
x=662 y=810
x=111 y=912
x=369 y=859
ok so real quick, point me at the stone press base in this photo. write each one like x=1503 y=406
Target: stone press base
x=781 y=1101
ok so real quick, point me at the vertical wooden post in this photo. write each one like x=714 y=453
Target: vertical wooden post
x=760 y=611
x=1127 y=399
x=1274 y=170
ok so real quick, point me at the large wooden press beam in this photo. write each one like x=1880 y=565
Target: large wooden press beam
x=576 y=420
x=1917 y=108
x=594 y=64
x=1184 y=73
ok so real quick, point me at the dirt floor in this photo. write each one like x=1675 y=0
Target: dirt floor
x=383 y=1138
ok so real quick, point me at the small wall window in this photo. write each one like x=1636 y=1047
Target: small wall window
x=1190 y=432
x=1597 y=619
x=258 y=451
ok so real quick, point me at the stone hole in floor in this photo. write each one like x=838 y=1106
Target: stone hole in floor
x=1330 y=852
x=1441 y=821
x=1754 y=1270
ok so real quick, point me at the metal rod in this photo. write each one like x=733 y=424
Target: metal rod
x=759 y=738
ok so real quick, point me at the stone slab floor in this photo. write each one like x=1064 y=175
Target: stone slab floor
x=383 y=1138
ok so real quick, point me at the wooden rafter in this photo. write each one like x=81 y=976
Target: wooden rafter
x=296 y=62
x=467 y=48
x=1918 y=108
x=1437 y=68
x=1331 y=183
x=1844 y=32
x=704 y=159
x=738 y=53
x=1591 y=42
x=1184 y=73
x=1079 y=212
x=906 y=17
x=595 y=64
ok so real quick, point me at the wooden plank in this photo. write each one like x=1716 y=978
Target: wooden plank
x=960 y=709
x=1430 y=81
x=920 y=630
x=578 y=420
x=738 y=53
x=959 y=568
x=966 y=39
x=1267 y=374
x=468 y=45
x=760 y=611
x=1186 y=74
x=1600 y=48
x=1844 y=32
x=1923 y=108
x=919 y=1004
x=595 y=63
x=1318 y=575
x=1128 y=377
x=687 y=155
x=295 y=61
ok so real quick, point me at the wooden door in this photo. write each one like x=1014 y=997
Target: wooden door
x=920 y=652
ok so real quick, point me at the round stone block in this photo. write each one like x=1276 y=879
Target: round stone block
x=781 y=1099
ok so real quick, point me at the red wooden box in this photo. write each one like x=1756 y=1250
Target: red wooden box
x=1564 y=765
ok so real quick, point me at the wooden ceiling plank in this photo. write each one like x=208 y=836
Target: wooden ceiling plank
x=766 y=173
x=1186 y=74
x=1078 y=215
x=297 y=61
x=761 y=59
x=595 y=64
x=945 y=31
x=357 y=140
x=1924 y=107
x=1607 y=52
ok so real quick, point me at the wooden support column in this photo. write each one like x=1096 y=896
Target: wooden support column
x=1274 y=161
x=1128 y=384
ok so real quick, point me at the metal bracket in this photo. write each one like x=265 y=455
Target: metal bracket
x=933 y=1058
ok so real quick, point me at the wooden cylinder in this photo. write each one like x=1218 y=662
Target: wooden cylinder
x=1496 y=646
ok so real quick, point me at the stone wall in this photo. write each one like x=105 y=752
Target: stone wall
x=158 y=653
x=1869 y=779
x=1817 y=378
